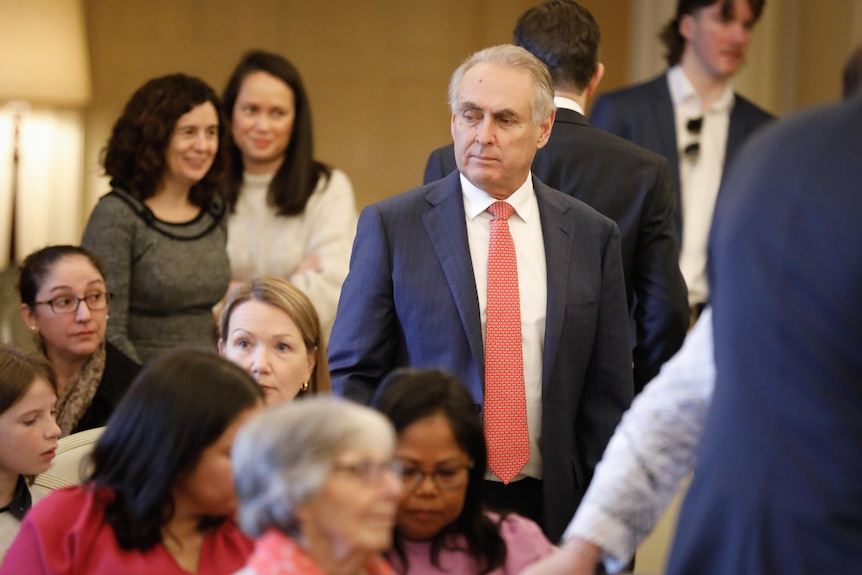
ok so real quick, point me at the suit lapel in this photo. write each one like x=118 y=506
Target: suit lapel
x=736 y=132
x=558 y=233
x=665 y=126
x=444 y=223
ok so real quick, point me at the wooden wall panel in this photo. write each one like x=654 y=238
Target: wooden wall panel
x=376 y=70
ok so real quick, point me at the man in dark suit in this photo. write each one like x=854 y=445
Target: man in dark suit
x=777 y=487
x=417 y=291
x=622 y=181
x=691 y=116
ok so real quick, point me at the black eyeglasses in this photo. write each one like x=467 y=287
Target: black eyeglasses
x=66 y=304
x=444 y=478
x=692 y=150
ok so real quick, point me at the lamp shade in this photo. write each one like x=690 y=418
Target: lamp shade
x=43 y=52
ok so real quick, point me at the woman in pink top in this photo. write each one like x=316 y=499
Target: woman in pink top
x=441 y=525
x=317 y=488
x=160 y=497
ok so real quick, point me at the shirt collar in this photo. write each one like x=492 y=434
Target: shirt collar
x=477 y=200
x=568 y=104
x=681 y=90
x=21 y=500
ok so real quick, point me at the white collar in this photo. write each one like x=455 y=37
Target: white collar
x=478 y=200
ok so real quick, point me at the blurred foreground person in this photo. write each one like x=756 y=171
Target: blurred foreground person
x=160 y=498
x=318 y=488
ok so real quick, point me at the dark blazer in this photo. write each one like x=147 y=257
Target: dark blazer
x=631 y=186
x=410 y=299
x=777 y=487
x=119 y=372
x=644 y=114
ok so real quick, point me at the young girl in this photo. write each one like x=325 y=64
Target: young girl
x=28 y=433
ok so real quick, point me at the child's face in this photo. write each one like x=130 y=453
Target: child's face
x=29 y=432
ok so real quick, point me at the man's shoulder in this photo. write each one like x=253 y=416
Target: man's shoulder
x=595 y=142
x=431 y=193
x=635 y=91
x=750 y=110
x=553 y=199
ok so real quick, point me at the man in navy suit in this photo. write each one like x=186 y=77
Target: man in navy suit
x=416 y=293
x=691 y=116
x=626 y=183
x=777 y=487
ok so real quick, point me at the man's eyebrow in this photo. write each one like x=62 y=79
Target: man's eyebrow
x=467 y=106
x=506 y=113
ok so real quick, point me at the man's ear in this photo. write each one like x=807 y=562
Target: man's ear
x=595 y=80
x=546 y=129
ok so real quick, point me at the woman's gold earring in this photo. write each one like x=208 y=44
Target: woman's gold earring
x=304 y=386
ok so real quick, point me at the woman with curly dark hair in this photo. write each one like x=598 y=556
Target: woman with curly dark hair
x=291 y=216
x=161 y=232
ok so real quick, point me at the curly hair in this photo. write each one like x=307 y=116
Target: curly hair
x=135 y=156
x=297 y=177
x=673 y=41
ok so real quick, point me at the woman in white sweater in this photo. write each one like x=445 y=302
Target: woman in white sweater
x=291 y=216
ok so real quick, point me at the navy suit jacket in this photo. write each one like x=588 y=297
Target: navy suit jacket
x=777 y=487
x=631 y=186
x=410 y=300
x=644 y=114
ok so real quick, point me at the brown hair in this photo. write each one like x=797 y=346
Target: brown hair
x=135 y=156
x=296 y=178
x=673 y=41
x=18 y=370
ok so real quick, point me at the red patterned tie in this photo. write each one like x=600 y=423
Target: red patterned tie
x=505 y=402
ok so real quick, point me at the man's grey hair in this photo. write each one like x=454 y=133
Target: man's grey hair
x=542 y=102
x=284 y=455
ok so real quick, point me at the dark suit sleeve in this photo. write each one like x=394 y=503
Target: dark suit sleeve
x=362 y=344
x=661 y=296
x=608 y=390
x=440 y=164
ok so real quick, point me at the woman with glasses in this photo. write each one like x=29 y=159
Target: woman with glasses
x=64 y=303
x=441 y=525
x=317 y=488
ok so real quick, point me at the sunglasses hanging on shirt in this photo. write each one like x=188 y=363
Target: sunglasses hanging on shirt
x=692 y=150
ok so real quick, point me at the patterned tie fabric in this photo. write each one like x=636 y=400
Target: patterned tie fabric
x=505 y=402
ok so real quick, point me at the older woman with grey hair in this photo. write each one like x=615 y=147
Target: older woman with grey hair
x=318 y=488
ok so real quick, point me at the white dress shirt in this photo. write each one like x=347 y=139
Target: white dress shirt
x=526 y=230
x=700 y=179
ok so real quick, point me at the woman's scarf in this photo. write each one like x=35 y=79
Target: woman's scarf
x=79 y=394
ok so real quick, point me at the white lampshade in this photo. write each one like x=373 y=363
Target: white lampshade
x=43 y=52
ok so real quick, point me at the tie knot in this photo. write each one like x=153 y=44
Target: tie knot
x=501 y=210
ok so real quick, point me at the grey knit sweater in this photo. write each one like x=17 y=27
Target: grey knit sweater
x=165 y=277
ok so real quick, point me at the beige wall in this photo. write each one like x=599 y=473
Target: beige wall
x=377 y=70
